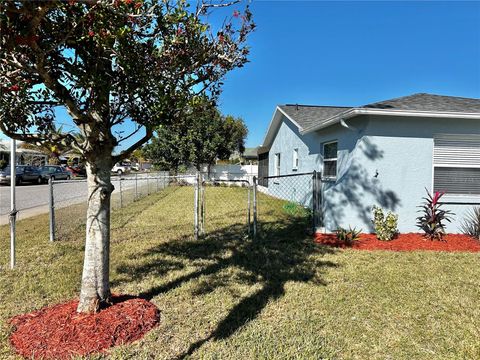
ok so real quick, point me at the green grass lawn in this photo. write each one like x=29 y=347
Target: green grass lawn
x=280 y=297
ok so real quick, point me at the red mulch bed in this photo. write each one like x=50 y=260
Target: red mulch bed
x=59 y=332
x=405 y=242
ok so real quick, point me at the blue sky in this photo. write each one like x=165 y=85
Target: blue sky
x=351 y=53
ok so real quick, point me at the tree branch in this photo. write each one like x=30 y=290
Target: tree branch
x=130 y=135
x=125 y=153
x=35 y=138
x=204 y=6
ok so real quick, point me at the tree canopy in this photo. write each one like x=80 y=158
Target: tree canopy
x=110 y=61
x=199 y=138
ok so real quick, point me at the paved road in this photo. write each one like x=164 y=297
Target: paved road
x=29 y=196
x=34 y=199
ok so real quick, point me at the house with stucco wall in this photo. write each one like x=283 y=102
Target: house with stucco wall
x=385 y=153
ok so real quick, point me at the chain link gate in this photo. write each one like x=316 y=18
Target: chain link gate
x=284 y=201
x=224 y=206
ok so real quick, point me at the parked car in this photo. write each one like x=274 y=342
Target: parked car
x=77 y=170
x=135 y=166
x=121 y=168
x=55 y=172
x=24 y=174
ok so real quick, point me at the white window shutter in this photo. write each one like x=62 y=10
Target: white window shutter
x=456 y=160
x=457 y=150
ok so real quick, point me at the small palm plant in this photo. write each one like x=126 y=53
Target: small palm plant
x=471 y=224
x=433 y=217
x=348 y=237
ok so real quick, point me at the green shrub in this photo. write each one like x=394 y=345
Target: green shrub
x=294 y=209
x=349 y=236
x=385 y=226
x=3 y=164
x=471 y=224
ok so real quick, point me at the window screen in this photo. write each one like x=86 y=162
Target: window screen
x=330 y=159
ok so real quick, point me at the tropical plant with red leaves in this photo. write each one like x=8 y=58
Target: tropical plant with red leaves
x=433 y=217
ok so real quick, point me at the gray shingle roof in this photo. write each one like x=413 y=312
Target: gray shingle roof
x=307 y=115
x=429 y=102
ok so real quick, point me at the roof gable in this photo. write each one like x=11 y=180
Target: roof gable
x=307 y=115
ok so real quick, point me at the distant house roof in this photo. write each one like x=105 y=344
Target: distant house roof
x=5 y=147
x=310 y=118
x=250 y=153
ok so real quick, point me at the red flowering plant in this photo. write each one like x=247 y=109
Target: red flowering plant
x=433 y=217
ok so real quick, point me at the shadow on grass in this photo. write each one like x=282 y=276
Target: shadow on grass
x=284 y=254
x=126 y=217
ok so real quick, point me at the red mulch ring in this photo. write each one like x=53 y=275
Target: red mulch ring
x=405 y=242
x=59 y=332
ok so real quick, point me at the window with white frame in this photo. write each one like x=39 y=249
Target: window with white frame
x=295 y=159
x=456 y=164
x=277 y=164
x=330 y=150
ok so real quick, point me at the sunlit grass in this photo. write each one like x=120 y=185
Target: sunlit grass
x=280 y=297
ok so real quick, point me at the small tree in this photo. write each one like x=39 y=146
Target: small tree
x=163 y=150
x=202 y=136
x=107 y=62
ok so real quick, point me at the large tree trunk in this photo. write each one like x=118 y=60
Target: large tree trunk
x=95 y=279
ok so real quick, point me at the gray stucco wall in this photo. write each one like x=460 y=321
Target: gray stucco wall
x=298 y=188
x=385 y=161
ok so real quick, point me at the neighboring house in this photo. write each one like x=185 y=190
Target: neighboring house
x=249 y=156
x=384 y=154
x=24 y=156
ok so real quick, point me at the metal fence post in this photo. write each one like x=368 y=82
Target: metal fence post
x=13 y=209
x=157 y=177
x=136 y=186
x=319 y=200
x=148 y=185
x=248 y=209
x=51 y=202
x=120 y=190
x=254 y=207
x=314 y=200
x=195 y=208
x=202 y=203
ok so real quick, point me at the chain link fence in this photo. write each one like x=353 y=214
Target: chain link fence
x=208 y=204
x=286 y=199
x=196 y=205
x=68 y=200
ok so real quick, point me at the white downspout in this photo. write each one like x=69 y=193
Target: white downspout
x=345 y=125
